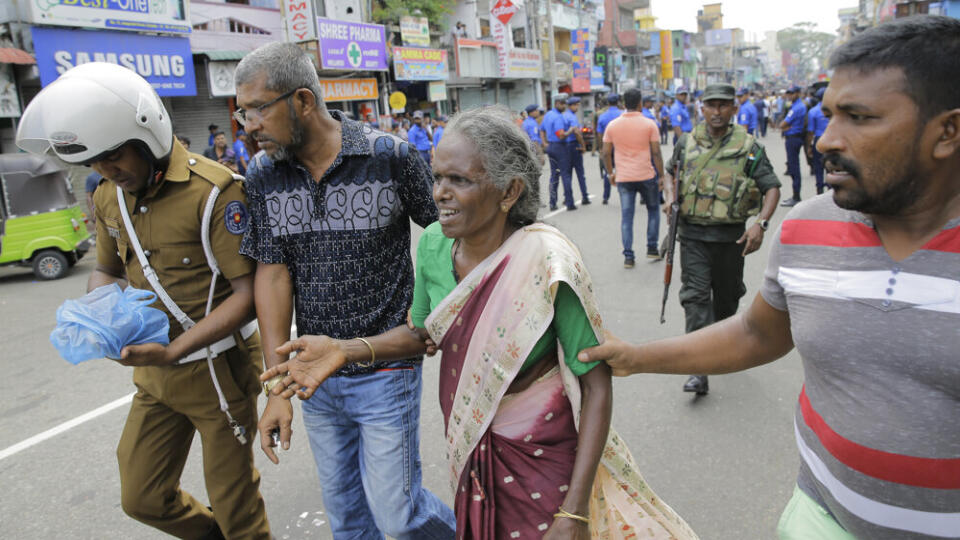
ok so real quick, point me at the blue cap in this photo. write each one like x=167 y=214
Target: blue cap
x=742 y=92
x=241 y=132
x=682 y=90
x=573 y=101
x=613 y=97
x=820 y=92
x=442 y=118
x=793 y=89
x=530 y=108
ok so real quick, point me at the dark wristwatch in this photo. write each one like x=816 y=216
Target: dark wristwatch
x=763 y=223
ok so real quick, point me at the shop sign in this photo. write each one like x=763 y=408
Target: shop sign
x=580 y=48
x=500 y=14
x=9 y=101
x=596 y=78
x=524 y=64
x=349 y=89
x=666 y=55
x=413 y=64
x=297 y=17
x=165 y=62
x=415 y=31
x=503 y=11
x=351 y=46
x=161 y=16
x=398 y=100
x=220 y=76
x=437 y=91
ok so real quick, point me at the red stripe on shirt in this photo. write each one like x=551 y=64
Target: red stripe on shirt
x=948 y=241
x=817 y=232
x=898 y=468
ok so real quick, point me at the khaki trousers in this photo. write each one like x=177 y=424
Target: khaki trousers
x=172 y=403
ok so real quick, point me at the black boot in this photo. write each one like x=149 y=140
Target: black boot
x=698 y=384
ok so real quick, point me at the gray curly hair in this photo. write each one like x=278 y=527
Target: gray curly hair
x=506 y=152
x=286 y=65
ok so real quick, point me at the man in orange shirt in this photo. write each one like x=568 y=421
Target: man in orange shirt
x=636 y=141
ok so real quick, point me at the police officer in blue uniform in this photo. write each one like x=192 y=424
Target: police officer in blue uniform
x=793 y=128
x=612 y=113
x=576 y=147
x=647 y=109
x=816 y=125
x=762 y=114
x=418 y=137
x=680 y=116
x=747 y=115
x=530 y=125
x=554 y=131
x=664 y=120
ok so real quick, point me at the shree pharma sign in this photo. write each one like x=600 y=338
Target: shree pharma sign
x=161 y=16
x=351 y=46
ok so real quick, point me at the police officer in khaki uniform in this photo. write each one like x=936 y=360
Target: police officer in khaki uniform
x=163 y=238
x=725 y=178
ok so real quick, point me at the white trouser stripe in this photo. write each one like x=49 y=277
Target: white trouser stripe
x=943 y=524
x=925 y=292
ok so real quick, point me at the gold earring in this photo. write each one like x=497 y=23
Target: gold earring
x=504 y=208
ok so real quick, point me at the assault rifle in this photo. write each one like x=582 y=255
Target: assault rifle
x=670 y=242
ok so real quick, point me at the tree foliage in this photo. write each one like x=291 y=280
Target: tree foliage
x=390 y=11
x=809 y=47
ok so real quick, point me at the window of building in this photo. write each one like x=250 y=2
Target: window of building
x=626 y=20
x=231 y=25
x=520 y=37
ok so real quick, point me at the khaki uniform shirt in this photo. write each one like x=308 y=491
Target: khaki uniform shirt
x=168 y=219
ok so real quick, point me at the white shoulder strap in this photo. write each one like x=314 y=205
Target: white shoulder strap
x=148 y=271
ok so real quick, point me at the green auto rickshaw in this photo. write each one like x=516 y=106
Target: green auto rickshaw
x=41 y=224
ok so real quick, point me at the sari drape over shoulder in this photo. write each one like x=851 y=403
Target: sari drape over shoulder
x=510 y=456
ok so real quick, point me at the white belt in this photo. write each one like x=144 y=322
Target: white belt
x=224 y=344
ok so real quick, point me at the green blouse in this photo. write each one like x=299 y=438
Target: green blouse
x=435 y=281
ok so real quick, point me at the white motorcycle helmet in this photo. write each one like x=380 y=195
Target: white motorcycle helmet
x=93 y=109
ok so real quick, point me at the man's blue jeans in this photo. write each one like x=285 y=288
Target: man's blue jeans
x=650 y=196
x=365 y=436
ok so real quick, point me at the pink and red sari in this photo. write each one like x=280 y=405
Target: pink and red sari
x=511 y=454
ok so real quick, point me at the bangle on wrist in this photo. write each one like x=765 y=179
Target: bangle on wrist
x=271 y=382
x=561 y=513
x=373 y=353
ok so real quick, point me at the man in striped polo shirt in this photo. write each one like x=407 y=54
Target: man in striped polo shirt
x=865 y=282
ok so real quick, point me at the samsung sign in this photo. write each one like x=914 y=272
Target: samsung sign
x=165 y=62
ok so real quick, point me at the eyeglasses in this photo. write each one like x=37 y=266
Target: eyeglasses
x=243 y=115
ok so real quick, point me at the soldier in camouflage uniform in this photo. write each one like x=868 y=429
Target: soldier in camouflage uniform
x=724 y=178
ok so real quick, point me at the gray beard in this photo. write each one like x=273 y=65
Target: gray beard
x=288 y=151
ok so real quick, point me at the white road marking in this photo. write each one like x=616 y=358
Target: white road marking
x=69 y=424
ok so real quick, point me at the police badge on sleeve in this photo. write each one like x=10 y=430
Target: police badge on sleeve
x=236 y=217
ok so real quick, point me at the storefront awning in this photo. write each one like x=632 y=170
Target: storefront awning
x=223 y=55
x=10 y=55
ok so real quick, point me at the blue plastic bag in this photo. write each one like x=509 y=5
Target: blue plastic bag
x=106 y=320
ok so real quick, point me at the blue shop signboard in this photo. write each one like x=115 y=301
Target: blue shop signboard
x=165 y=62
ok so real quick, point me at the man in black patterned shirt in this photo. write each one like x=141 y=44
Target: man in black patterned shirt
x=330 y=206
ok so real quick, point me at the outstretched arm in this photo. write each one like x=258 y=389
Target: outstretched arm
x=759 y=335
x=318 y=357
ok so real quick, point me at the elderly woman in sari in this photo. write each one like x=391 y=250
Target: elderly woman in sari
x=509 y=303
